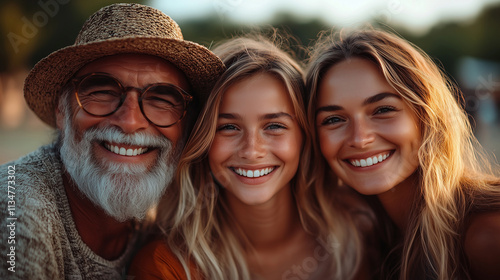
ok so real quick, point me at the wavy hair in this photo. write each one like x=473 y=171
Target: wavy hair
x=455 y=177
x=198 y=223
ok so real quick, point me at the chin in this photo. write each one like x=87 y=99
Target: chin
x=369 y=189
x=254 y=200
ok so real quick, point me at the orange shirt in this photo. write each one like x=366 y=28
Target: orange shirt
x=156 y=261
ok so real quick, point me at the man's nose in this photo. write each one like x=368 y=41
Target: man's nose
x=129 y=117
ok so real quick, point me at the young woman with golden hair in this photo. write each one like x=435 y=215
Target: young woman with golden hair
x=244 y=205
x=389 y=126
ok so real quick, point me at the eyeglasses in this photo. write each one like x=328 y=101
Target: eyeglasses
x=100 y=94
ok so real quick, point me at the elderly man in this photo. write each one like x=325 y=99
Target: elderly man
x=123 y=99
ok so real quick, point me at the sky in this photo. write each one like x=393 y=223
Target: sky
x=415 y=15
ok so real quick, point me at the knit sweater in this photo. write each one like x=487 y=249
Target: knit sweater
x=39 y=239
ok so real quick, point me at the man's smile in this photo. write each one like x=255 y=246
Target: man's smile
x=121 y=149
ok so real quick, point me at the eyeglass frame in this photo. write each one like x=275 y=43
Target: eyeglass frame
x=186 y=97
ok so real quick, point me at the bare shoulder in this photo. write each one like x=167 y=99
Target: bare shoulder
x=482 y=245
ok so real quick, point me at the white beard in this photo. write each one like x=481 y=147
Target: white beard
x=124 y=191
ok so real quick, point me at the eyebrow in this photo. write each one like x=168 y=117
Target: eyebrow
x=380 y=96
x=367 y=101
x=270 y=116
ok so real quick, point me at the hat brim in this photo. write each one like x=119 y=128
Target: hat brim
x=43 y=84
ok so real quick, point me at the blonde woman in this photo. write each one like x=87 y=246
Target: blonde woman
x=245 y=206
x=388 y=124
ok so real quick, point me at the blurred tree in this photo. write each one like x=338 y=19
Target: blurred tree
x=30 y=30
x=486 y=29
x=447 y=42
x=305 y=32
x=211 y=30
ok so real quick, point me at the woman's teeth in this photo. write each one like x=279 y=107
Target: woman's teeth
x=369 y=161
x=125 y=152
x=253 y=173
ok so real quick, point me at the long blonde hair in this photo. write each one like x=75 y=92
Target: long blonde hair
x=455 y=176
x=199 y=227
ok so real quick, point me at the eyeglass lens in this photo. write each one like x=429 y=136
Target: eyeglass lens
x=101 y=95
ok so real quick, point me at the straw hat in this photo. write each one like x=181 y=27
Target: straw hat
x=118 y=29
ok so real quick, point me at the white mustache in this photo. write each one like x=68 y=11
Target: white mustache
x=113 y=134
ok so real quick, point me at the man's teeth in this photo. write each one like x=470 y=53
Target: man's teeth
x=369 y=161
x=253 y=173
x=125 y=152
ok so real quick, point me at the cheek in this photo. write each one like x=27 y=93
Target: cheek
x=405 y=132
x=328 y=144
x=81 y=122
x=173 y=133
x=220 y=151
x=415 y=144
x=215 y=153
x=288 y=149
x=221 y=148
x=406 y=135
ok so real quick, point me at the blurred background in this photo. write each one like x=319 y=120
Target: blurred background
x=462 y=36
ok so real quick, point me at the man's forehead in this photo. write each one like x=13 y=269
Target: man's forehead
x=133 y=62
x=146 y=68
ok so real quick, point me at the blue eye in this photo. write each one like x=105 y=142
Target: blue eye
x=332 y=120
x=384 y=109
x=227 y=127
x=275 y=126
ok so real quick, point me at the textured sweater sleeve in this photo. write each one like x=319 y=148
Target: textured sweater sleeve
x=30 y=234
x=40 y=250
